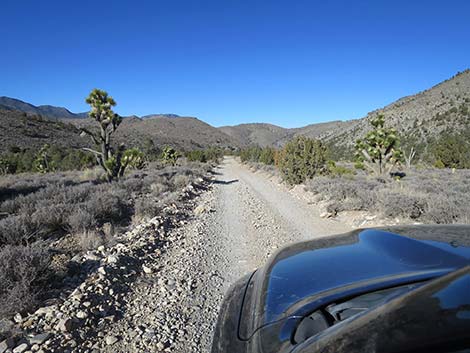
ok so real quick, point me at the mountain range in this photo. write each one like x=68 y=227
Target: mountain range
x=49 y=111
x=444 y=107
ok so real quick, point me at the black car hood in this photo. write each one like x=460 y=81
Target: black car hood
x=304 y=276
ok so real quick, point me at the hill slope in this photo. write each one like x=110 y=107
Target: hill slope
x=49 y=111
x=33 y=131
x=256 y=133
x=444 y=107
x=182 y=132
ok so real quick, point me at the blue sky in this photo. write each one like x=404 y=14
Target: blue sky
x=289 y=63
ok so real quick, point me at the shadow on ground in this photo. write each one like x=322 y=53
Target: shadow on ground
x=225 y=182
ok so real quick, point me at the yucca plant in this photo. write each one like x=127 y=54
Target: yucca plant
x=379 y=150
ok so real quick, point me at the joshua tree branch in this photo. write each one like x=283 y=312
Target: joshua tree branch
x=92 y=135
x=92 y=151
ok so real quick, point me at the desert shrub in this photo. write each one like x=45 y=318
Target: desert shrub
x=39 y=206
x=339 y=152
x=49 y=158
x=80 y=220
x=158 y=188
x=338 y=170
x=446 y=210
x=345 y=193
x=16 y=230
x=196 y=156
x=24 y=272
x=45 y=207
x=133 y=184
x=267 y=156
x=204 y=156
x=428 y=195
x=49 y=218
x=301 y=159
x=90 y=240
x=257 y=154
x=394 y=203
x=451 y=151
x=251 y=154
x=147 y=207
x=214 y=154
x=169 y=197
x=109 y=206
x=150 y=150
x=181 y=181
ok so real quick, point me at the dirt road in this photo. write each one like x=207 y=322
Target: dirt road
x=242 y=220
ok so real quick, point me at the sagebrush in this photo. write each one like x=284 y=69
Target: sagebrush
x=428 y=195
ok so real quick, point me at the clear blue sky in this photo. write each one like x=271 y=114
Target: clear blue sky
x=286 y=62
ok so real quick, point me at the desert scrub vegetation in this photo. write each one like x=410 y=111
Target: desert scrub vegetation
x=298 y=160
x=50 y=158
x=44 y=217
x=301 y=159
x=207 y=155
x=427 y=195
x=255 y=154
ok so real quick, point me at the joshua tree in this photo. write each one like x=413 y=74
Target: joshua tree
x=101 y=111
x=379 y=150
x=170 y=155
x=42 y=163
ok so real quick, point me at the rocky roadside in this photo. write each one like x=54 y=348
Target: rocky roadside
x=76 y=322
x=173 y=307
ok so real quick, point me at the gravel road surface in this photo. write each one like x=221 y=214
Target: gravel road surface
x=237 y=225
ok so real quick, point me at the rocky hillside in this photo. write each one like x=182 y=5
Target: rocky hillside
x=257 y=133
x=33 y=131
x=26 y=125
x=181 y=132
x=444 y=107
x=272 y=135
x=25 y=129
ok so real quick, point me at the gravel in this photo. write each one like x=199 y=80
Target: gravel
x=160 y=287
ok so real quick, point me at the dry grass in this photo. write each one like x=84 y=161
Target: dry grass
x=37 y=210
x=428 y=196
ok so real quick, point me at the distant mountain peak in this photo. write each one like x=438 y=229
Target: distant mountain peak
x=166 y=115
x=48 y=111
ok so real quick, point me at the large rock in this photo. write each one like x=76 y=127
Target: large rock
x=39 y=339
x=110 y=340
x=7 y=344
x=65 y=325
x=146 y=269
x=21 y=348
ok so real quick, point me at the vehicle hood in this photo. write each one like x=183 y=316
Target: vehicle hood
x=302 y=277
